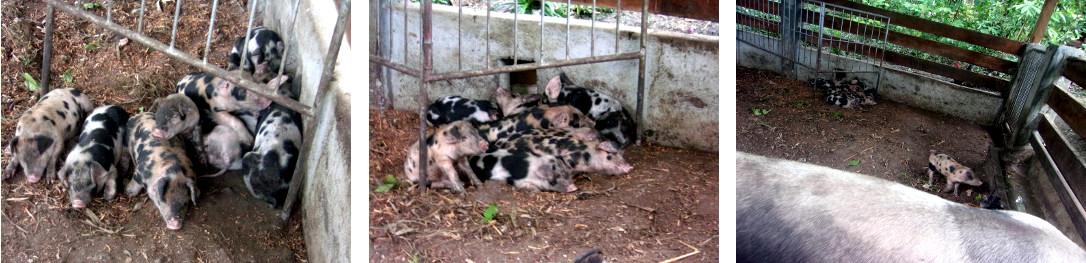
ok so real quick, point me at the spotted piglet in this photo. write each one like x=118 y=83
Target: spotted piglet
x=447 y=145
x=269 y=167
x=226 y=143
x=524 y=169
x=512 y=103
x=163 y=168
x=544 y=117
x=100 y=157
x=44 y=130
x=264 y=55
x=955 y=172
x=455 y=108
x=612 y=120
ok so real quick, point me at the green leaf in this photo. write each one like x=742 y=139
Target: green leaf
x=415 y=258
x=26 y=62
x=837 y=114
x=979 y=197
x=383 y=188
x=490 y=212
x=67 y=76
x=390 y=180
x=141 y=109
x=31 y=84
x=89 y=6
x=854 y=163
x=759 y=112
x=91 y=46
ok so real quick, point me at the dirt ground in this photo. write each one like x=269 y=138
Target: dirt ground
x=665 y=208
x=890 y=140
x=227 y=224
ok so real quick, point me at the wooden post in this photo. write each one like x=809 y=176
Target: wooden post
x=789 y=37
x=47 y=52
x=1042 y=21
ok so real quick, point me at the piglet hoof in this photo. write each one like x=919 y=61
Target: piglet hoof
x=173 y=224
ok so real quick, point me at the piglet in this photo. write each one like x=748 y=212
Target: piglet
x=264 y=55
x=955 y=172
x=99 y=158
x=43 y=131
x=447 y=145
x=163 y=168
x=455 y=108
x=269 y=167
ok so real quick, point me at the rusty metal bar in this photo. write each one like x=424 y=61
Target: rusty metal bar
x=143 y=8
x=568 y=5
x=396 y=66
x=531 y=66
x=176 y=15
x=592 y=32
x=516 y=21
x=183 y=57
x=641 y=71
x=405 y=31
x=487 y=33
x=248 y=35
x=542 y=14
x=459 y=37
x=286 y=50
x=322 y=89
x=47 y=51
x=427 y=68
x=109 y=11
x=211 y=31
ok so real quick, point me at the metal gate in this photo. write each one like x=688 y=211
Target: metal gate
x=427 y=75
x=806 y=32
x=201 y=64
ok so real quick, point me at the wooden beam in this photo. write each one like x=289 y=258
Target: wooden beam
x=1050 y=154
x=696 y=9
x=1065 y=159
x=1076 y=71
x=1070 y=110
x=940 y=29
x=1042 y=21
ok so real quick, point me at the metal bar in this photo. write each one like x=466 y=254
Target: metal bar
x=143 y=7
x=427 y=68
x=618 y=22
x=385 y=49
x=459 y=36
x=516 y=21
x=176 y=15
x=542 y=14
x=592 y=32
x=47 y=51
x=183 y=57
x=568 y=5
x=488 y=34
x=641 y=71
x=286 y=50
x=109 y=11
x=322 y=90
x=531 y=66
x=248 y=35
x=395 y=66
x=210 y=29
x=404 y=32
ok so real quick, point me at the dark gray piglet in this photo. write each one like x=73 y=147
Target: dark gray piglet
x=44 y=131
x=100 y=157
x=269 y=167
x=163 y=168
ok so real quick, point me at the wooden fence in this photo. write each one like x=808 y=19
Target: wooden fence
x=1054 y=146
x=909 y=41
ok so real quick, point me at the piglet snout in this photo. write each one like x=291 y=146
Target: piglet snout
x=173 y=224
x=483 y=146
x=158 y=134
x=78 y=204
x=571 y=188
x=32 y=178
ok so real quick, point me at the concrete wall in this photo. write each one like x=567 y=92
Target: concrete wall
x=908 y=88
x=681 y=91
x=325 y=203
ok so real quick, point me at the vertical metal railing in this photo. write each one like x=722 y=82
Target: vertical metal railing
x=427 y=75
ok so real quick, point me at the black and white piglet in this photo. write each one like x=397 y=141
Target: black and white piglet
x=44 y=130
x=100 y=157
x=163 y=168
x=612 y=120
x=455 y=108
x=264 y=55
x=524 y=169
x=269 y=167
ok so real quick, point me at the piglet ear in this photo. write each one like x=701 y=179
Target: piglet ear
x=554 y=87
x=608 y=147
x=500 y=92
x=13 y=145
x=192 y=191
x=62 y=174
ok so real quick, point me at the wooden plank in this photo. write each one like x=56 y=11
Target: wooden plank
x=696 y=9
x=940 y=29
x=1070 y=110
x=929 y=46
x=1064 y=158
x=1076 y=71
x=1067 y=196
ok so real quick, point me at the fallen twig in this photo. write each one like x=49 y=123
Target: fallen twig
x=854 y=155
x=676 y=259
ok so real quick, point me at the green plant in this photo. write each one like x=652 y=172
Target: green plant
x=386 y=184
x=91 y=6
x=415 y=258
x=490 y=212
x=141 y=109
x=67 y=77
x=904 y=175
x=91 y=46
x=26 y=61
x=979 y=197
x=837 y=114
x=759 y=112
x=854 y=163
x=801 y=103
x=31 y=84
